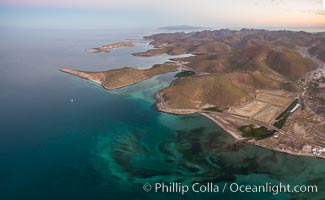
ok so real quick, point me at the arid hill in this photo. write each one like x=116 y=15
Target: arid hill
x=231 y=65
x=318 y=50
x=125 y=76
x=207 y=90
x=221 y=41
x=253 y=83
x=234 y=64
x=109 y=47
x=268 y=59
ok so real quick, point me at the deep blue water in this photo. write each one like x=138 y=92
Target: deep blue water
x=106 y=144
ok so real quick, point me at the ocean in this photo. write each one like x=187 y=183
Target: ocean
x=108 y=144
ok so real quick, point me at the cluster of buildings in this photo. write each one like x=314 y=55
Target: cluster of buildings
x=318 y=77
x=317 y=151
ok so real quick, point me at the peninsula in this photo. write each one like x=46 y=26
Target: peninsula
x=264 y=87
x=118 y=78
x=109 y=47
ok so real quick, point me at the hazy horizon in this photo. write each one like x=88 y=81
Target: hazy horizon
x=156 y=13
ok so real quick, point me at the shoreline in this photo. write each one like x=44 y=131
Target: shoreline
x=99 y=77
x=281 y=140
x=160 y=106
x=109 y=47
x=219 y=123
x=95 y=81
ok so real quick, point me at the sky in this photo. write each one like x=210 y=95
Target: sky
x=156 y=13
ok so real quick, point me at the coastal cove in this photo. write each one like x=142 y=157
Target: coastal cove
x=107 y=143
x=249 y=82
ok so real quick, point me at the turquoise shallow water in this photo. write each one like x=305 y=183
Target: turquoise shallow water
x=107 y=144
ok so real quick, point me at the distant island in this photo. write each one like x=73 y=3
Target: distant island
x=181 y=28
x=265 y=88
x=109 y=47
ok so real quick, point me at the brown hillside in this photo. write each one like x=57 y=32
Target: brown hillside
x=289 y=63
x=318 y=50
x=273 y=62
x=214 y=89
x=125 y=76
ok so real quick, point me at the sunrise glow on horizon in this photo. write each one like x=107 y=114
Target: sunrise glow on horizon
x=150 y=13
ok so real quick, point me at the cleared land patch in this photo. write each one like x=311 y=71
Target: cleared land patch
x=274 y=99
x=249 y=110
x=268 y=113
x=266 y=107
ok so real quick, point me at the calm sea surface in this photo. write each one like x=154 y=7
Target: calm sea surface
x=107 y=144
